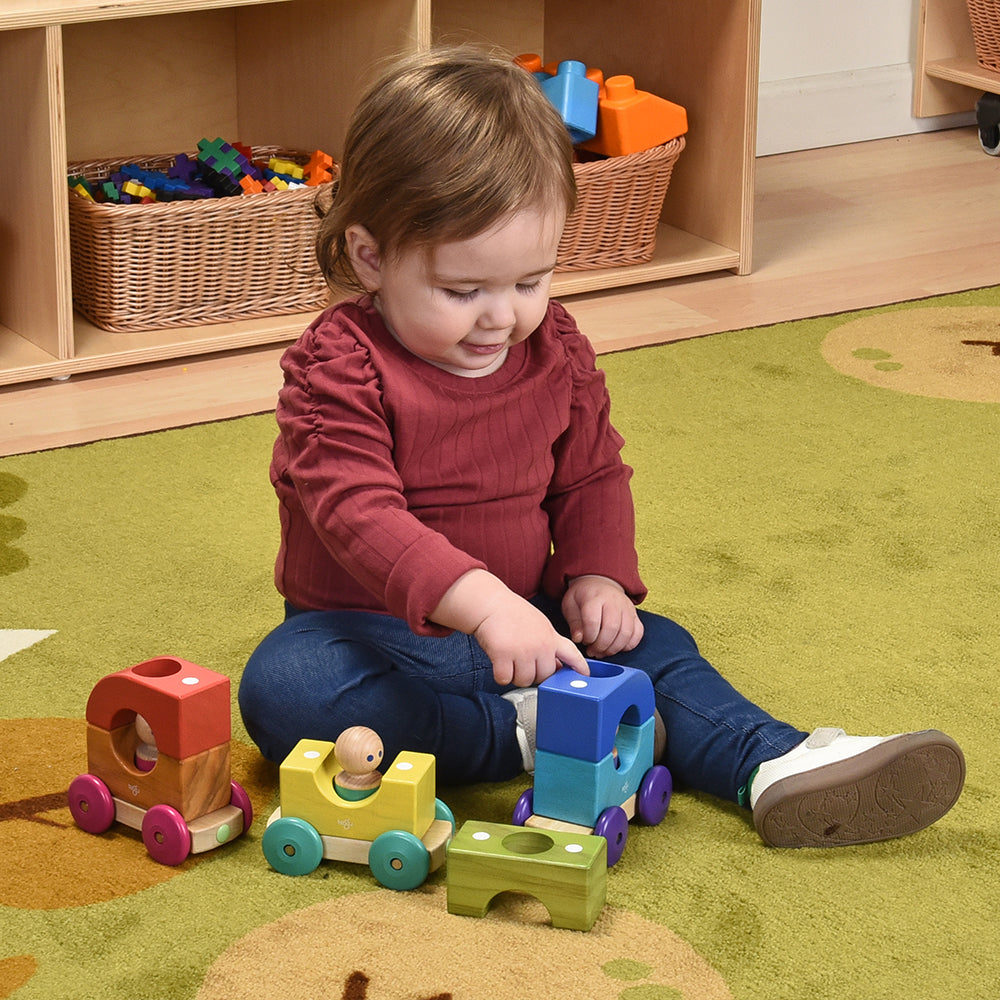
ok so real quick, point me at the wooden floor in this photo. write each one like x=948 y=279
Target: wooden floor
x=835 y=229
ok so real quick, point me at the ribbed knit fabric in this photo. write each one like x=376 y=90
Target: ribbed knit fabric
x=394 y=477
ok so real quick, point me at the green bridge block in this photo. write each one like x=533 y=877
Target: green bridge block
x=566 y=872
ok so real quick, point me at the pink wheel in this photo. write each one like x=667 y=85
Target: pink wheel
x=241 y=800
x=91 y=803
x=166 y=835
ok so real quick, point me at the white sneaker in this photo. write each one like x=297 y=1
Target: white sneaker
x=834 y=789
x=525 y=700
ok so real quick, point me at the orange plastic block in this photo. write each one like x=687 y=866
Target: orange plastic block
x=319 y=169
x=251 y=185
x=631 y=120
x=186 y=706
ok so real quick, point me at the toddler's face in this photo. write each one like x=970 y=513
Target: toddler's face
x=461 y=306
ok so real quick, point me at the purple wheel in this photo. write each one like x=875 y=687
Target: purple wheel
x=525 y=808
x=653 y=799
x=91 y=803
x=612 y=825
x=241 y=800
x=166 y=835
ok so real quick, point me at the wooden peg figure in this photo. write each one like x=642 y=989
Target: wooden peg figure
x=359 y=751
x=146 y=752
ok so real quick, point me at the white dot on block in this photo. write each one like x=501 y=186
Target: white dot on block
x=577 y=684
x=311 y=754
x=189 y=680
x=404 y=765
x=574 y=848
x=480 y=835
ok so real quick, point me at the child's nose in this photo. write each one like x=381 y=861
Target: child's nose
x=499 y=313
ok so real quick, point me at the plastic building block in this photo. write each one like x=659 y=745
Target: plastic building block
x=532 y=62
x=286 y=167
x=631 y=120
x=566 y=872
x=399 y=829
x=220 y=156
x=319 y=169
x=575 y=97
x=82 y=187
x=158 y=757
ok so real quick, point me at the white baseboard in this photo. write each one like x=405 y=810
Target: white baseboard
x=836 y=108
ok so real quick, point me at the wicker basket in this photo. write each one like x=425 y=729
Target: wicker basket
x=188 y=263
x=985 y=17
x=618 y=209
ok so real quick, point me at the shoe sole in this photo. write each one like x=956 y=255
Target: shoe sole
x=896 y=788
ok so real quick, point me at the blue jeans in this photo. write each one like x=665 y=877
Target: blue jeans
x=320 y=672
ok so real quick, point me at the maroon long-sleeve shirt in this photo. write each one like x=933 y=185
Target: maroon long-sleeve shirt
x=394 y=477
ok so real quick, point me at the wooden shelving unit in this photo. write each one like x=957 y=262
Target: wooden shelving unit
x=84 y=79
x=948 y=78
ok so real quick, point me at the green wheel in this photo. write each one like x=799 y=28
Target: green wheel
x=399 y=860
x=292 y=846
x=441 y=811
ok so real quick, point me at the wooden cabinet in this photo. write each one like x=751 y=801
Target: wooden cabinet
x=948 y=78
x=84 y=79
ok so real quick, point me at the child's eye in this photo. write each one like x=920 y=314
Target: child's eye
x=461 y=296
x=527 y=287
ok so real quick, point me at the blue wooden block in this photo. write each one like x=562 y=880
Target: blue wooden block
x=579 y=716
x=578 y=791
x=575 y=97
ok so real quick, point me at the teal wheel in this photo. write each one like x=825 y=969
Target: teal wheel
x=292 y=846
x=441 y=811
x=399 y=860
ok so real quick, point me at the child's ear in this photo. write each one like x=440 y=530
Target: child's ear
x=363 y=252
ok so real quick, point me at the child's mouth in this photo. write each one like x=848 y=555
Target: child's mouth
x=485 y=349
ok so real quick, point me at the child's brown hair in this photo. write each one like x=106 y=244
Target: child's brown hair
x=443 y=145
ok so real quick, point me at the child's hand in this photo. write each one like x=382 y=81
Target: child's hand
x=520 y=641
x=523 y=646
x=601 y=616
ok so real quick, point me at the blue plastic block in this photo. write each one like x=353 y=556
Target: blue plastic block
x=575 y=97
x=579 y=716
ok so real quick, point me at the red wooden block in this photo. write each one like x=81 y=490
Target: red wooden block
x=186 y=706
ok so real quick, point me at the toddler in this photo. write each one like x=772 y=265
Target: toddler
x=456 y=518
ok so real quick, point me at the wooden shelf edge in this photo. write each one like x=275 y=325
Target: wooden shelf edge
x=678 y=254
x=29 y=14
x=100 y=350
x=965 y=71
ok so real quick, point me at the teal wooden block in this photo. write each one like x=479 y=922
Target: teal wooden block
x=566 y=872
x=578 y=791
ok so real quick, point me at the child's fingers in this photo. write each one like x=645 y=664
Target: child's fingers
x=570 y=656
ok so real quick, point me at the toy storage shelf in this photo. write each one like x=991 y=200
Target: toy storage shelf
x=86 y=80
x=948 y=78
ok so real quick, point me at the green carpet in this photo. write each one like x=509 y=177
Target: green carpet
x=817 y=501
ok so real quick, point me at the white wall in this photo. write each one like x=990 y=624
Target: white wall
x=837 y=71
